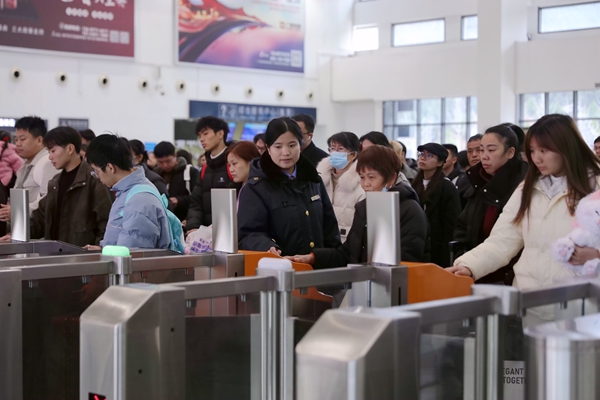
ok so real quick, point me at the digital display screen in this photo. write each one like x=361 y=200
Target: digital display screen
x=93 y=396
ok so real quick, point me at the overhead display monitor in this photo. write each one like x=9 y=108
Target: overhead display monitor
x=261 y=34
x=104 y=27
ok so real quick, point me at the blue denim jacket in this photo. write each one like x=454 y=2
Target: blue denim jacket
x=144 y=222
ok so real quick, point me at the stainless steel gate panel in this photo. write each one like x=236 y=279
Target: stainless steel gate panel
x=359 y=354
x=143 y=327
x=563 y=360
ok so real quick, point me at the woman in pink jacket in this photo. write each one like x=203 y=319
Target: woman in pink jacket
x=10 y=162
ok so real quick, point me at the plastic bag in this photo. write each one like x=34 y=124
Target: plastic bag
x=200 y=241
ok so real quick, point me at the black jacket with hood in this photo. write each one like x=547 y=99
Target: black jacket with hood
x=294 y=216
x=214 y=175
x=413 y=234
x=493 y=192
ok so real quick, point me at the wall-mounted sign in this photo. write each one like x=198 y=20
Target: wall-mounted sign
x=80 y=26
x=7 y=123
x=234 y=112
x=77 y=123
x=263 y=34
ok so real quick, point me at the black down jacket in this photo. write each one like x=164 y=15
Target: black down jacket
x=214 y=175
x=413 y=234
x=294 y=216
x=493 y=192
x=442 y=208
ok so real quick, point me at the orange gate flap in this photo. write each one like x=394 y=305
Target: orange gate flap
x=428 y=282
x=251 y=259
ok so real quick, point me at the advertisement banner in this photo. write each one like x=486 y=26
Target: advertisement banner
x=104 y=27
x=261 y=34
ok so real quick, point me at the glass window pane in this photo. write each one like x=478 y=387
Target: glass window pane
x=532 y=106
x=365 y=38
x=388 y=131
x=590 y=130
x=473 y=108
x=456 y=134
x=526 y=124
x=388 y=113
x=405 y=131
x=431 y=111
x=560 y=103
x=470 y=27
x=455 y=109
x=472 y=130
x=419 y=33
x=430 y=133
x=407 y=134
x=588 y=104
x=568 y=18
x=406 y=112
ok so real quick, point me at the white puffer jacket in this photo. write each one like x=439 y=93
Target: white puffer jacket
x=548 y=220
x=344 y=196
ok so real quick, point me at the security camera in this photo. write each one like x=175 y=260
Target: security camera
x=310 y=95
x=15 y=73
x=280 y=93
x=61 y=77
x=249 y=91
x=216 y=88
x=103 y=80
x=180 y=86
x=143 y=83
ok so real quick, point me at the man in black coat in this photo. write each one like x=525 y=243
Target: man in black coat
x=179 y=176
x=455 y=174
x=212 y=132
x=309 y=149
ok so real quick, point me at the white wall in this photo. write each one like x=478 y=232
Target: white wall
x=148 y=115
x=548 y=62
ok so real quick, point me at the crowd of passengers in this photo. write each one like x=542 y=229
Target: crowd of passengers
x=504 y=201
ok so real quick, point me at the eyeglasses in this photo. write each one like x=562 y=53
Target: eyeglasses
x=427 y=156
x=339 y=149
x=94 y=173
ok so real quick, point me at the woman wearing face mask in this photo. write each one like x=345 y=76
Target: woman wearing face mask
x=239 y=156
x=493 y=181
x=341 y=180
x=140 y=159
x=439 y=198
x=562 y=170
x=285 y=208
x=378 y=167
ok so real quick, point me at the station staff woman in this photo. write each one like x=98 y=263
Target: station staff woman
x=284 y=208
x=562 y=170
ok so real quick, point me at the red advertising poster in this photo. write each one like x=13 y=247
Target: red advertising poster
x=103 y=27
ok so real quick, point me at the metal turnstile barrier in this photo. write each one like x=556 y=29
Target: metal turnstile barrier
x=569 y=343
x=563 y=359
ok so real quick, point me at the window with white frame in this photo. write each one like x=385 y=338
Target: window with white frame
x=423 y=32
x=365 y=38
x=582 y=105
x=414 y=122
x=569 y=17
x=469 y=27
